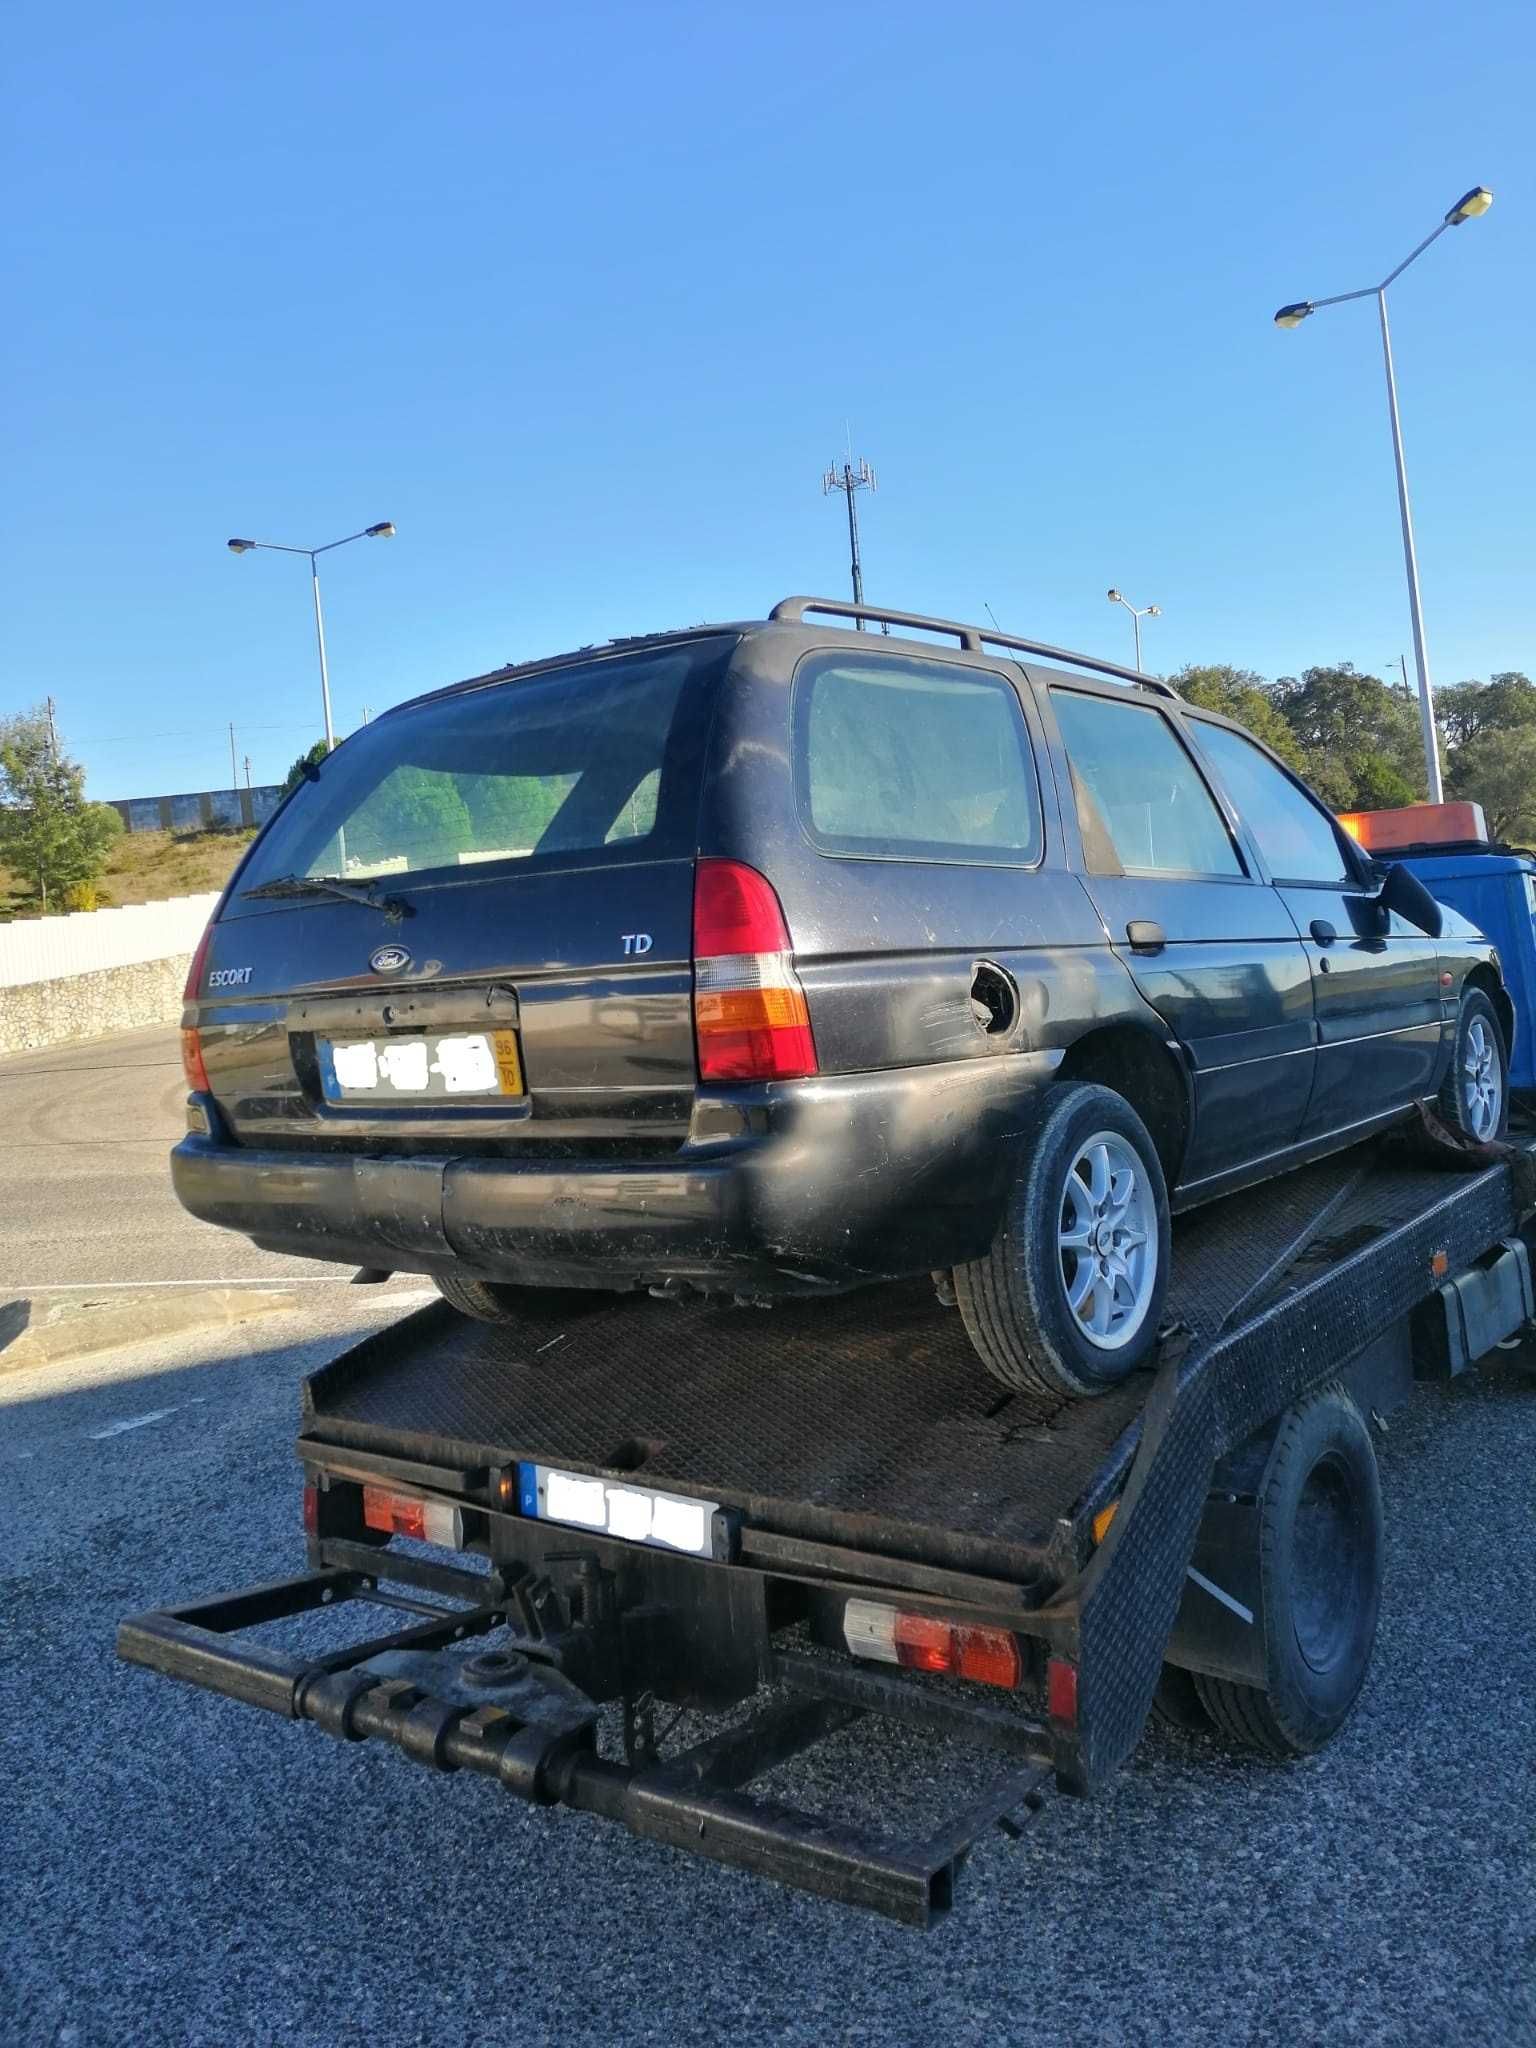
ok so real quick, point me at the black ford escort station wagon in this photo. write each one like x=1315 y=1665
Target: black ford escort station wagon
x=778 y=958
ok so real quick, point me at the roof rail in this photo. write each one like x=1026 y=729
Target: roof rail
x=974 y=639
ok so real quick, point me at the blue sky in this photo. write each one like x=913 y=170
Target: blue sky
x=582 y=298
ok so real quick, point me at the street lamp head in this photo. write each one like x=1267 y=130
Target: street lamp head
x=1469 y=206
x=1292 y=316
x=1114 y=597
x=1154 y=611
x=241 y=547
x=385 y=530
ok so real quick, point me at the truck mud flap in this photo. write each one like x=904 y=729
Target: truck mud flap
x=449 y=1699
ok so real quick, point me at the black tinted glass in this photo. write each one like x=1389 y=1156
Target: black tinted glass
x=597 y=761
x=1298 y=840
x=911 y=759
x=1140 y=789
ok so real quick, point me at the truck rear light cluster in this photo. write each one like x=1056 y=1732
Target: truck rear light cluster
x=749 y=1012
x=191 y=1045
x=925 y=1642
x=401 y=1514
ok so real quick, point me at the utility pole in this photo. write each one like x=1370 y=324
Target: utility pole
x=53 y=733
x=247 y=771
x=849 y=480
x=234 y=772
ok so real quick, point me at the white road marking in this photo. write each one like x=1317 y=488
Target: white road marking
x=131 y=1422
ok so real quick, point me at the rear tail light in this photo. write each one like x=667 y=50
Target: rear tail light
x=400 y=1514
x=1061 y=1691
x=191 y=1044
x=924 y=1642
x=749 y=1012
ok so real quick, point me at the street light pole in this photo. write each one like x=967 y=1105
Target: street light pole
x=1468 y=207
x=1411 y=564
x=325 y=674
x=1148 y=611
x=383 y=530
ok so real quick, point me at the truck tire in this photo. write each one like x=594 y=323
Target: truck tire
x=1474 y=1096
x=1320 y=1555
x=1067 y=1300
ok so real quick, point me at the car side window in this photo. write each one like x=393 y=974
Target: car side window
x=1139 y=791
x=905 y=759
x=1298 y=839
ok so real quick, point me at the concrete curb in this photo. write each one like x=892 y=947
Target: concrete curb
x=33 y=1334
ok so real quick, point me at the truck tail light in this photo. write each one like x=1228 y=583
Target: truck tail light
x=749 y=1013
x=401 y=1514
x=1061 y=1691
x=925 y=1642
x=191 y=1044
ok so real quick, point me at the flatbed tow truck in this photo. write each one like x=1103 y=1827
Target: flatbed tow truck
x=791 y=1520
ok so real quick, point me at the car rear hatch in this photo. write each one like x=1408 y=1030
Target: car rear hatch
x=472 y=930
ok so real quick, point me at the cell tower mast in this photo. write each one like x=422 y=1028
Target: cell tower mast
x=848 y=480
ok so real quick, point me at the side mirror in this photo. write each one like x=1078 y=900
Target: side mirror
x=1402 y=891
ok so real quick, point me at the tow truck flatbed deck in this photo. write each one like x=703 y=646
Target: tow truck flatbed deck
x=863 y=1419
x=861 y=1464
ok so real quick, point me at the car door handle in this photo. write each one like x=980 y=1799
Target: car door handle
x=1145 y=937
x=1322 y=931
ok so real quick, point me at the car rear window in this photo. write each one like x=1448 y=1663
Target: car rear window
x=593 y=762
x=901 y=758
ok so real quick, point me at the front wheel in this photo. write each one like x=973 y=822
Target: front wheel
x=1068 y=1298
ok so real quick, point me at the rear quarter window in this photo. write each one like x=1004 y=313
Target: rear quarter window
x=898 y=758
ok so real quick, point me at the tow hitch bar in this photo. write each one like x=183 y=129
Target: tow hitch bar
x=509 y=1711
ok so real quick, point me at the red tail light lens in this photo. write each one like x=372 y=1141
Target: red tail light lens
x=402 y=1514
x=749 y=1012
x=1061 y=1690
x=191 y=1045
x=926 y=1642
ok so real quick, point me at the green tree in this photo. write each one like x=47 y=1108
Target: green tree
x=316 y=754
x=1505 y=703
x=1497 y=769
x=1239 y=693
x=49 y=834
x=1359 y=739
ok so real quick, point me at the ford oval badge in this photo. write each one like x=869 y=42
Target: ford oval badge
x=389 y=960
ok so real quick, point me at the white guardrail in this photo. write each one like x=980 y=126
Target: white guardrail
x=85 y=941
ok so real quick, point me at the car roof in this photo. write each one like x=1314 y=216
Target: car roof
x=788 y=618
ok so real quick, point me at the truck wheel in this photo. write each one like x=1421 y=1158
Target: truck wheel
x=1068 y=1299
x=1320 y=1545
x=1474 y=1096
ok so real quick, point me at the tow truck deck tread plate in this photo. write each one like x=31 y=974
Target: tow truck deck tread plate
x=863 y=1417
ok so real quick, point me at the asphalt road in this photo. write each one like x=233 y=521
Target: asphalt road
x=179 y=1869
x=85 y=1192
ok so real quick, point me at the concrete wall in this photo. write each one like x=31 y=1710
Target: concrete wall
x=39 y=1013
x=198 y=810
x=51 y=948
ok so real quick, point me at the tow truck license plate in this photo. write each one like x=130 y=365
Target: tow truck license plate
x=637 y=1514
x=415 y=1065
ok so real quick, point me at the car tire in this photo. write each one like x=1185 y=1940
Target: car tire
x=494 y=1301
x=1474 y=1096
x=1092 y=1175
x=1320 y=1538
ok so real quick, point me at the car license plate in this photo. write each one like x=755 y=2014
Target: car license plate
x=417 y=1066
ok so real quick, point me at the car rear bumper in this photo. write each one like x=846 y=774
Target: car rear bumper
x=825 y=1183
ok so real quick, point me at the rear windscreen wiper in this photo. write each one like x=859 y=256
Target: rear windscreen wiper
x=393 y=907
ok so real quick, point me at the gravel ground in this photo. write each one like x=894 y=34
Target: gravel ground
x=177 y=1868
